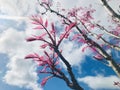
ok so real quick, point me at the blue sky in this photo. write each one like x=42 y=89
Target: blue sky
x=19 y=74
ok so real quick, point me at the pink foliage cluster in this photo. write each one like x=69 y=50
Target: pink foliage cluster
x=82 y=14
x=49 y=62
x=50 y=33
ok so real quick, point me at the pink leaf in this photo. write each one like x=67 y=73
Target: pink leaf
x=44 y=69
x=45 y=80
x=57 y=62
x=66 y=36
x=40 y=37
x=84 y=31
x=44 y=34
x=41 y=63
x=46 y=24
x=36 y=23
x=46 y=54
x=94 y=49
x=61 y=36
x=49 y=62
x=41 y=58
x=45 y=1
x=98 y=57
x=83 y=49
x=67 y=28
x=92 y=26
x=55 y=55
x=40 y=20
x=31 y=39
x=115 y=33
x=39 y=27
x=53 y=27
x=88 y=15
x=52 y=31
x=71 y=25
x=50 y=48
x=76 y=36
x=82 y=40
x=44 y=46
x=31 y=56
x=37 y=19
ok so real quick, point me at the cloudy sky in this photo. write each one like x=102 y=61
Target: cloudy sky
x=19 y=74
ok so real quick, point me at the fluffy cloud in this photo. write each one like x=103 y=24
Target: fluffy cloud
x=17 y=7
x=20 y=72
x=75 y=56
x=100 y=82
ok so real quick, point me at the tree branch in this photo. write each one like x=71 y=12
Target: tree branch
x=110 y=10
x=76 y=86
x=106 y=42
x=106 y=31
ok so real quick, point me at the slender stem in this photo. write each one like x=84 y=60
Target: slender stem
x=47 y=32
x=110 y=10
x=76 y=86
x=106 y=31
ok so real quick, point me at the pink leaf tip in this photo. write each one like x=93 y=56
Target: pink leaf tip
x=45 y=80
x=72 y=25
x=98 y=57
x=30 y=39
x=31 y=56
x=44 y=46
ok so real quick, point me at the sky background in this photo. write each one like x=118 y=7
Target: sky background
x=19 y=74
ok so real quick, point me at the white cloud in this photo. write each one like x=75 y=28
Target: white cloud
x=18 y=7
x=75 y=56
x=13 y=17
x=66 y=3
x=100 y=82
x=20 y=72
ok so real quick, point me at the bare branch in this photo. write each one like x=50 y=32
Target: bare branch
x=106 y=31
x=110 y=10
x=75 y=83
x=106 y=42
